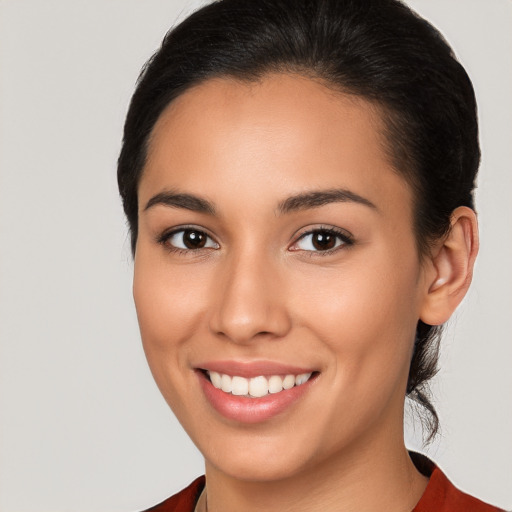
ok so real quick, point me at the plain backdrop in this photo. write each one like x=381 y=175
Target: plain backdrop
x=82 y=425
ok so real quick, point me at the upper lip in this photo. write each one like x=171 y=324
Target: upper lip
x=250 y=369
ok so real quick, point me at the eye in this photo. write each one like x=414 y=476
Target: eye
x=188 y=239
x=322 y=240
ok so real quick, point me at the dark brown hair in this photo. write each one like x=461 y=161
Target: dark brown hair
x=377 y=49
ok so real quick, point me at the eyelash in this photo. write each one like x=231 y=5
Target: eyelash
x=346 y=239
x=164 y=238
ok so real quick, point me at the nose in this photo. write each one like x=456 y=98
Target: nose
x=250 y=301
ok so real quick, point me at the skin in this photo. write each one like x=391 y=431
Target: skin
x=258 y=290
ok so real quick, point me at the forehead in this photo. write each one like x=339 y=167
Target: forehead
x=258 y=136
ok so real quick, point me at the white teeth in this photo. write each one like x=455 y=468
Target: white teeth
x=289 y=382
x=239 y=386
x=216 y=379
x=275 y=384
x=302 y=378
x=226 y=383
x=257 y=386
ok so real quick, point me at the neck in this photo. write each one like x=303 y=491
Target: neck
x=365 y=478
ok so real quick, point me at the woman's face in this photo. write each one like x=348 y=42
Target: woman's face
x=275 y=239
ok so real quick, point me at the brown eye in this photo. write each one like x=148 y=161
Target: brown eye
x=190 y=239
x=194 y=239
x=323 y=240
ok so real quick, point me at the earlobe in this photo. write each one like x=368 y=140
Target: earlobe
x=451 y=268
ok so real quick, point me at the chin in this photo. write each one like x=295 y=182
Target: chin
x=262 y=469
x=264 y=457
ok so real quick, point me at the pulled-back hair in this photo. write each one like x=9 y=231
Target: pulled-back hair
x=377 y=49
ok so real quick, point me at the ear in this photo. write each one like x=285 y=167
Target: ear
x=449 y=270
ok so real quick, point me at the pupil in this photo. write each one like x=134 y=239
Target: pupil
x=323 y=240
x=194 y=239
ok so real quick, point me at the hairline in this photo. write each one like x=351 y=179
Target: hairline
x=382 y=115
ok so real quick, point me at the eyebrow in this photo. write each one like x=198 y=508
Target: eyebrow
x=304 y=201
x=181 y=200
x=318 y=198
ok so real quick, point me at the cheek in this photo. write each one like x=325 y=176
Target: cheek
x=170 y=306
x=168 y=301
x=366 y=315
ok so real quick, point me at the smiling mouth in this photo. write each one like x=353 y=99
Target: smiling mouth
x=256 y=387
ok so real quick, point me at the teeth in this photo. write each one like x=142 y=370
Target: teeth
x=225 y=383
x=301 y=379
x=239 y=385
x=216 y=379
x=275 y=384
x=289 y=382
x=257 y=386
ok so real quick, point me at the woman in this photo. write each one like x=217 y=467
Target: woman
x=298 y=178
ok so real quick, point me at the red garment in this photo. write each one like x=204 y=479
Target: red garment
x=442 y=496
x=184 y=501
x=439 y=496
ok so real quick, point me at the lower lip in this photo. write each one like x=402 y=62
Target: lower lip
x=252 y=410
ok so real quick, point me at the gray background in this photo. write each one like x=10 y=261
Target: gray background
x=82 y=425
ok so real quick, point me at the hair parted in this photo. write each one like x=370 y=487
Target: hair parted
x=379 y=50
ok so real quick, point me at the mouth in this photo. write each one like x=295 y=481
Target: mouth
x=259 y=394
x=258 y=386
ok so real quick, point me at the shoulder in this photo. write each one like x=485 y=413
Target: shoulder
x=442 y=496
x=184 y=501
